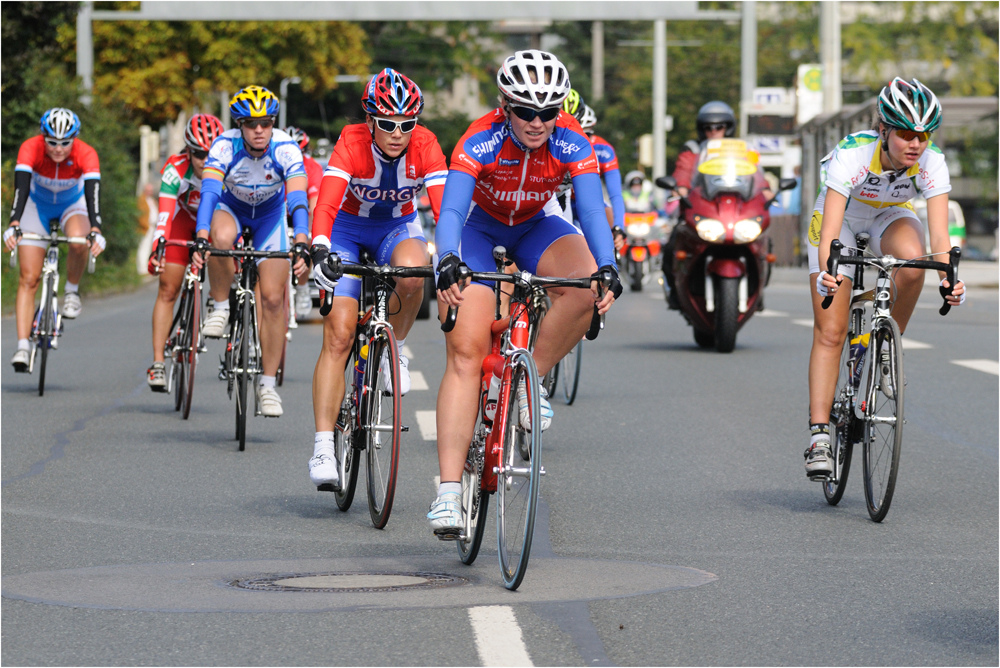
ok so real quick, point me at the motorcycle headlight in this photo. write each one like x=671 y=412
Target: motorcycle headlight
x=710 y=230
x=638 y=229
x=745 y=231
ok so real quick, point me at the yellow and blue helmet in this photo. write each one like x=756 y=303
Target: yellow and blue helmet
x=253 y=102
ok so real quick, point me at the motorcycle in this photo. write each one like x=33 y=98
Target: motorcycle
x=640 y=256
x=720 y=254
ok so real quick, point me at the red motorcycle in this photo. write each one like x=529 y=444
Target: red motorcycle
x=640 y=256
x=719 y=254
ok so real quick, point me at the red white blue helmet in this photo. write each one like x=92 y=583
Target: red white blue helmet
x=299 y=135
x=60 y=123
x=390 y=93
x=201 y=131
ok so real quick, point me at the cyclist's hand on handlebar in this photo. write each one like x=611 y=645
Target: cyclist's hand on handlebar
x=608 y=277
x=826 y=285
x=97 y=242
x=155 y=265
x=300 y=259
x=326 y=277
x=12 y=235
x=199 y=253
x=956 y=296
x=450 y=283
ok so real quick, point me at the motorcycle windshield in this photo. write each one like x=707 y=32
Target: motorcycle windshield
x=727 y=166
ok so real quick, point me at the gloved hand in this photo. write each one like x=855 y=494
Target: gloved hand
x=945 y=292
x=449 y=271
x=301 y=250
x=155 y=265
x=821 y=288
x=608 y=276
x=326 y=277
x=97 y=241
x=11 y=236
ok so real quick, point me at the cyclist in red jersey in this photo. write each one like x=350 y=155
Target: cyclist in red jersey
x=368 y=201
x=314 y=175
x=57 y=177
x=507 y=166
x=180 y=192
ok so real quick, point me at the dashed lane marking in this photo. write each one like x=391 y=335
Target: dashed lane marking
x=910 y=344
x=804 y=322
x=986 y=366
x=768 y=313
x=498 y=637
x=427 y=422
x=417 y=381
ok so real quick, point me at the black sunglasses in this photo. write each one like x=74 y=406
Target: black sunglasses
x=258 y=123
x=51 y=141
x=200 y=155
x=388 y=126
x=715 y=126
x=528 y=114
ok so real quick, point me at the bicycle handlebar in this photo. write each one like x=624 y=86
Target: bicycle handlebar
x=52 y=239
x=375 y=270
x=950 y=268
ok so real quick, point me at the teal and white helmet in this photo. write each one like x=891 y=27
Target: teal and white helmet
x=909 y=105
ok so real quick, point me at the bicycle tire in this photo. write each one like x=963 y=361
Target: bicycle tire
x=279 y=376
x=46 y=323
x=381 y=418
x=343 y=436
x=518 y=479
x=243 y=374
x=172 y=354
x=475 y=501
x=571 y=372
x=883 y=421
x=841 y=431
x=189 y=359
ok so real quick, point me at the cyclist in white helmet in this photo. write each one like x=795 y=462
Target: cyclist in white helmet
x=504 y=172
x=867 y=182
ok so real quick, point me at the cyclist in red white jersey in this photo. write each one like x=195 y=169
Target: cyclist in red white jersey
x=507 y=166
x=57 y=177
x=314 y=171
x=180 y=192
x=368 y=201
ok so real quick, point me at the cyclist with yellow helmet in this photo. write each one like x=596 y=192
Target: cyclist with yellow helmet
x=246 y=175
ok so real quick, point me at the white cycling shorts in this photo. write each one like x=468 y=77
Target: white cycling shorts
x=37 y=219
x=875 y=226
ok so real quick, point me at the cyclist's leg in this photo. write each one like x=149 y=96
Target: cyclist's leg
x=30 y=256
x=902 y=236
x=404 y=246
x=74 y=223
x=328 y=379
x=224 y=231
x=163 y=310
x=273 y=323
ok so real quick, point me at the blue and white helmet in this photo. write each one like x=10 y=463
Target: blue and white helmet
x=60 y=123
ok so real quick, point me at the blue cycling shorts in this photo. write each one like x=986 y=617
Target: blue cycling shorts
x=379 y=237
x=268 y=232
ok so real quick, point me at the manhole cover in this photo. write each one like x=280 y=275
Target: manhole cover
x=347 y=582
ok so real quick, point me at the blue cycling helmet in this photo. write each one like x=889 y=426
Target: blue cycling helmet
x=60 y=123
x=253 y=102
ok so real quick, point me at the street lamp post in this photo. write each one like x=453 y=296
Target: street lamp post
x=283 y=93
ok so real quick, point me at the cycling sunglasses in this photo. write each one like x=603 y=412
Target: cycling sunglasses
x=910 y=135
x=50 y=141
x=528 y=114
x=200 y=155
x=388 y=126
x=258 y=123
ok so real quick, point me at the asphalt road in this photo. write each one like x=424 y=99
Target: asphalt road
x=677 y=525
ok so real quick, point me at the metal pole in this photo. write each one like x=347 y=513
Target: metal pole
x=282 y=94
x=597 y=61
x=830 y=47
x=659 y=98
x=85 y=50
x=748 y=61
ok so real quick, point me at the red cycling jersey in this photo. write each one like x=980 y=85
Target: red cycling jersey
x=379 y=189
x=606 y=156
x=513 y=184
x=57 y=182
x=314 y=172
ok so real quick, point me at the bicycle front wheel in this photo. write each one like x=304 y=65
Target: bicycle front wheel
x=189 y=348
x=571 y=372
x=475 y=500
x=518 y=478
x=46 y=325
x=841 y=420
x=343 y=436
x=243 y=370
x=381 y=423
x=883 y=421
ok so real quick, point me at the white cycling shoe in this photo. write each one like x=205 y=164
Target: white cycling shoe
x=71 y=305
x=20 y=360
x=525 y=413
x=446 y=514
x=404 y=374
x=324 y=470
x=215 y=324
x=269 y=402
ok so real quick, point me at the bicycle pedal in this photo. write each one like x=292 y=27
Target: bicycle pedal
x=404 y=428
x=328 y=487
x=448 y=534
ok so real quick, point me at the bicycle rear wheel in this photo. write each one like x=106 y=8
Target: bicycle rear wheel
x=571 y=372
x=381 y=424
x=475 y=500
x=243 y=372
x=517 y=481
x=189 y=347
x=883 y=422
x=841 y=430
x=343 y=435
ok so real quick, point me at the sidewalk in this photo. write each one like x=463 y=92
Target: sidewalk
x=974 y=274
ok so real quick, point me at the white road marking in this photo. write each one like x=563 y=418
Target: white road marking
x=910 y=344
x=803 y=322
x=417 y=381
x=498 y=637
x=405 y=350
x=986 y=366
x=427 y=421
x=768 y=313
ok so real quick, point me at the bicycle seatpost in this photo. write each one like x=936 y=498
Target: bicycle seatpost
x=832 y=266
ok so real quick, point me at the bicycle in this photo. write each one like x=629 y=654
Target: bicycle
x=504 y=458
x=241 y=365
x=47 y=325
x=868 y=403
x=186 y=340
x=369 y=419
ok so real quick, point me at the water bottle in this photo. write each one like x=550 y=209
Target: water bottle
x=859 y=346
x=359 y=367
x=492 y=373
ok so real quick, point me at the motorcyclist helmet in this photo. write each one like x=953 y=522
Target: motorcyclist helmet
x=588 y=119
x=574 y=104
x=909 y=105
x=534 y=78
x=713 y=113
x=635 y=177
x=201 y=131
x=60 y=123
x=254 y=102
x=390 y=93
x=299 y=135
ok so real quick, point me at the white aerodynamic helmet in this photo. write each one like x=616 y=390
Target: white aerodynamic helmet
x=534 y=78
x=588 y=118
